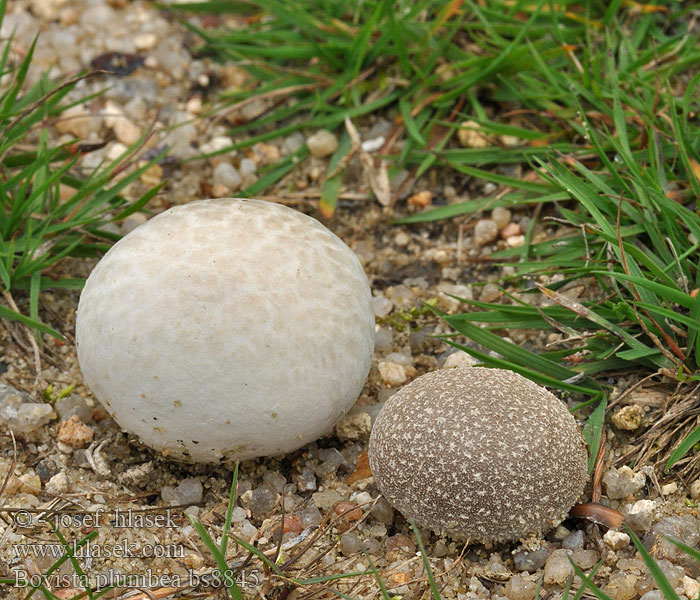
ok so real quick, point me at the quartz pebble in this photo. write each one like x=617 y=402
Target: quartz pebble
x=459 y=360
x=628 y=418
x=616 y=540
x=382 y=306
x=490 y=292
x=188 y=491
x=500 y=216
x=640 y=515
x=330 y=459
x=322 y=143
x=305 y=480
x=355 y=425
x=392 y=374
x=530 y=561
x=621 y=586
x=227 y=175
x=573 y=541
x=399 y=544
x=558 y=568
x=623 y=482
x=326 y=499
x=263 y=500
x=310 y=516
x=485 y=231
x=57 y=484
x=350 y=544
x=519 y=588
x=584 y=558
x=19 y=413
x=75 y=433
x=470 y=136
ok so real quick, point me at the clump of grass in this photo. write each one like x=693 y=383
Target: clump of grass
x=40 y=224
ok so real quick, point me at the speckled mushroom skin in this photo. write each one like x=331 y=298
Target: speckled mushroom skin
x=227 y=329
x=478 y=453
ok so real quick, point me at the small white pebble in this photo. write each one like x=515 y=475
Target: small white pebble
x=373 y=145
x=392 y=374
x=669 y=488
x=322 y=143
x=691 y=587
x=616 y=540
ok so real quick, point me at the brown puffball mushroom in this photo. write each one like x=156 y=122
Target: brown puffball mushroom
x=478 y=453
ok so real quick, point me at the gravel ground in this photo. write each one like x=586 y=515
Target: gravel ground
x=71 y=456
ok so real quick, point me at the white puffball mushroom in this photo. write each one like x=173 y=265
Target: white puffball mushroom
x=478 y=453
x=227 y=329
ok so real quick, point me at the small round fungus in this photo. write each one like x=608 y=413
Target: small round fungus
x=478 y=453
x=227 y=329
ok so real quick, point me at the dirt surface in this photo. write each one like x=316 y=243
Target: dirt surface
x=72 y=466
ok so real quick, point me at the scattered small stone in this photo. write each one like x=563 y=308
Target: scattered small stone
x=71 y=405
x=238 y=514
x=616 y=540
x=30 y=483
x=695 y=489
x=558 y=568
x=57 y=484
x=628 y=418
x=470 y=136
x=653 y=595
x=188 y=491
x=275 y=480
x=682 y=528
x=490 y=293
x=45 y=469
x=573 y=541
x=248 y=530
x=501 y=216
x=247 y=167
x=392 y=374
x=310 y=516
x=349 y=510
x=640 y=515
x=326 y=499
x=305 y=480
x=361 y=470
x=263 y=500
x=623 y=482
x=459 y=360
x=515 y=241
x=75 y=433
x=585 y=558
x=530 y=561
x=510 y=230
x=225 y=174
x=669 y=488
x=485 y=231
x=621 y=586
x=330 y=459
x=382 y=306
x=356 y=425
x=292 y=524
x=138 y=475
x=383 y=339
x=519 y=588
x=398 y=544
x=350 y=544
x=322 y=143
x=420 y=199
x=691 y=587
x=19 y=413
x=78 y=121
x=293 y=142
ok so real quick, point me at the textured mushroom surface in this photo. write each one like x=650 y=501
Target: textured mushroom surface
x=480 y=453
x=227 y=329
